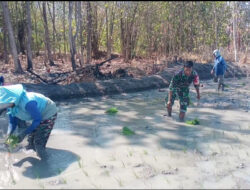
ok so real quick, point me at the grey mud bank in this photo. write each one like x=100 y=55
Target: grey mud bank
x=127 y=85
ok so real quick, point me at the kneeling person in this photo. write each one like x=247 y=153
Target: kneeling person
x=179 y=87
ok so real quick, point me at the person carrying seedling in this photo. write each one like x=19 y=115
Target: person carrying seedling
x=179 y=87
x=219 y=69
x=29 y=106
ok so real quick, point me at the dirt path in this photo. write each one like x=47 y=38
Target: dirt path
x=87 y=149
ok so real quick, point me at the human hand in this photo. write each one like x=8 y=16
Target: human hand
x=212 y=71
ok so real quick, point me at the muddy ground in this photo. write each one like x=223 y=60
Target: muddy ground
x=88 y=150
x=128 y=84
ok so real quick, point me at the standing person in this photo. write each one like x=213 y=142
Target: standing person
x=219 y=69
x=29 y=106
x=179 y=86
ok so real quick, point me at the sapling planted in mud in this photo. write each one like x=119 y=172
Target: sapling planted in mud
x=193 y=122
x=127 y=132
x=112 y=111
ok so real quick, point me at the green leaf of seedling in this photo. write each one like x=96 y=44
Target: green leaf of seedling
x=193 y=122
x=127 y=132
x=12 y=141
x=112 y=110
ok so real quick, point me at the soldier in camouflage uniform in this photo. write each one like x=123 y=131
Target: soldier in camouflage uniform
x=179 y=88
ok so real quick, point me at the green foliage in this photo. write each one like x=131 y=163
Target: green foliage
x=193 y=122
x=112 y=111
x=127 y=132
x=12 y=141
x=157 y=27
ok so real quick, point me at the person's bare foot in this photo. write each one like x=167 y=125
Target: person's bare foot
x=169 y=111
x=181 y=116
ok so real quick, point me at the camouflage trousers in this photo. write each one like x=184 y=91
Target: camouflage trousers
x=183 y=95
x=39 y=137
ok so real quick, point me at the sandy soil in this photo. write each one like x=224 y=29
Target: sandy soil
x=88 y=150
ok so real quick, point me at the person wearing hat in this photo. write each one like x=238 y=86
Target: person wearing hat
x=179 y=87
x=219 y=69
x=29 y=106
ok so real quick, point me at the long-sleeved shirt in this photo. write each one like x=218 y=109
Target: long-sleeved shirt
x=220 y=65
x=31 y=108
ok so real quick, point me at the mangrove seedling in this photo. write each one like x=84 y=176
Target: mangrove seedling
x=112 y=110
x=127 y=132
x=193 y=122
x=12 y=141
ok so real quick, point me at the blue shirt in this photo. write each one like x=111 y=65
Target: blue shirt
x=32 y=109
x=220 y=66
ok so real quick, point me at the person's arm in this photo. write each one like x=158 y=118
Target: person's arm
x=172 y=85
x=31 y=108
x=36 y=115
x=196 y=83
x=12 y=125
x=213 y=69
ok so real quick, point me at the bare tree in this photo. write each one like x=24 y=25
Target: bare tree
x=89 y=32
x=18 y=68
x=29 y=39
x=5 y=44
x=72 y=38
x=234 y=30
x=64 y=35
x=81 y=36
x=47 y=39
x=53 y=19
x=109 y=28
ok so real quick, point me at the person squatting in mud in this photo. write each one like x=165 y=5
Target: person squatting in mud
x=29 y=106
x=179 y=88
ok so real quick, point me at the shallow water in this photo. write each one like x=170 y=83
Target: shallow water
x=87 y=149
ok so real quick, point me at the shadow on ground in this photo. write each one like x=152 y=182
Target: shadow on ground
x=58 y=161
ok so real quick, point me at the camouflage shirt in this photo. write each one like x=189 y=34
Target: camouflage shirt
x=181 y=81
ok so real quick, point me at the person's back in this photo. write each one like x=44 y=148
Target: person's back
x=29 y=106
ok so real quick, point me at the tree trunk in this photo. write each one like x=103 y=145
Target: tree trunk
x=107 y=31
x=21 y=36
x=81 y=37
x=71 y=40
x=47 y=39
x=215 y=27
x=52 y=16
x=5 y=44
x=64 y=30
x=18 y=68
x=89 y=32
x=37 y=45
x=95 y=43
x=29 y=37
x=234 y=31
